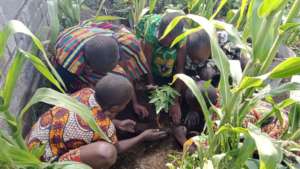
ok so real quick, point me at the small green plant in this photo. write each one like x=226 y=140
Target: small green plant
x=163 y=98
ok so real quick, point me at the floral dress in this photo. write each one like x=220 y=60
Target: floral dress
x=163 y=58
x=63 y=132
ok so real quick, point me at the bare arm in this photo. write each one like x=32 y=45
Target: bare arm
x=147 y=135
x=124 y=145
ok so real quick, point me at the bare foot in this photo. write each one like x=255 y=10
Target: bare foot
x=180 y=134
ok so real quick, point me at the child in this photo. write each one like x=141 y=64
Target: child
x=194 y=120
x=199 y=51
x=67 y=137
x=84 y=53
x=164 y=60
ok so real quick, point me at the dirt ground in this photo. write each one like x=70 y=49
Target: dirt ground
x=147 y=155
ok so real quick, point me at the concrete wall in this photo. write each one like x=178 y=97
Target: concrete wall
x=33 y=13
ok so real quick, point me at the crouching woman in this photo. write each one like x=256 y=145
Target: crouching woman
x=68 y=138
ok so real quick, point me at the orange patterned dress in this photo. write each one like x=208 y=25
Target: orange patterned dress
x=63 y=132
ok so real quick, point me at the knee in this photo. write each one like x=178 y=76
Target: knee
x=108 y=153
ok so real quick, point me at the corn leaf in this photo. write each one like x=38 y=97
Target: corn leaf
x=269 y=154
x=221 y=5
x=249 y=82
x=54 y=21
x=53 y=97
x=184 y=35
x=242 y=11
x=217 y=54
x=287 y=68
x=14 y=27
x=106 y=18
x=152 y=5
x=269 y=6
x=19 y=156
x=42 y=68
x=11 y=80
x=172 y=25
x=288 y=26
x=191 y=84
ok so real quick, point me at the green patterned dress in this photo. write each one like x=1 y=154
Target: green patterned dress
x=163 y=58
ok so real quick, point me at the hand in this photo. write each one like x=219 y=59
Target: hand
x=127 y=125
x=153 y=134
x=175 y=113
x=192 y=120
x=151 y=87
x=140 y=110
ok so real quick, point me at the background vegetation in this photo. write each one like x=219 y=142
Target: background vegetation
x=267 y=23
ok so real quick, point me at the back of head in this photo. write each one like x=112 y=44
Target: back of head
x=113 y=90
x=166 y=20
x=198 y=42
x=102 y=53
x=209 y=94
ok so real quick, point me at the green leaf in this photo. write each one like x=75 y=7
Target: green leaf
x=38 y=151
x=218 y=56
x=11 y=80
x=152 y=5
x=54 y=21
x=19 y=156
x=269 y=154
x=53 y=97
x=221 y=5
x=14 y=27
x=42 y=68
x=249 y=82
x=106 y=18
x=269 y=6
x=245 y=152
x=242 y=11
x=294 y=118
x=291 y=86
x=191 y=84
x=288 y=26
x=184 y=35
x=287 y=68
x=171 y=26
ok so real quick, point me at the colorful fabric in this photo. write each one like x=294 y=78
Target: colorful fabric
x=73 y=155
x=163 y=58
x=61 y=130
x=70 y=53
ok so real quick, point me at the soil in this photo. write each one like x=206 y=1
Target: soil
x=148 y=155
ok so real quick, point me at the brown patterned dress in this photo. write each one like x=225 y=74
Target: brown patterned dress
x=63 y=132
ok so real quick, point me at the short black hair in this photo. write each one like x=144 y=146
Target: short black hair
x=166 y=20
x=113 y=90
x=210 y=97
x=102 y=53
x=197 y=41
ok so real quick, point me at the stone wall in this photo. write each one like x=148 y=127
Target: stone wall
x=33 y=13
